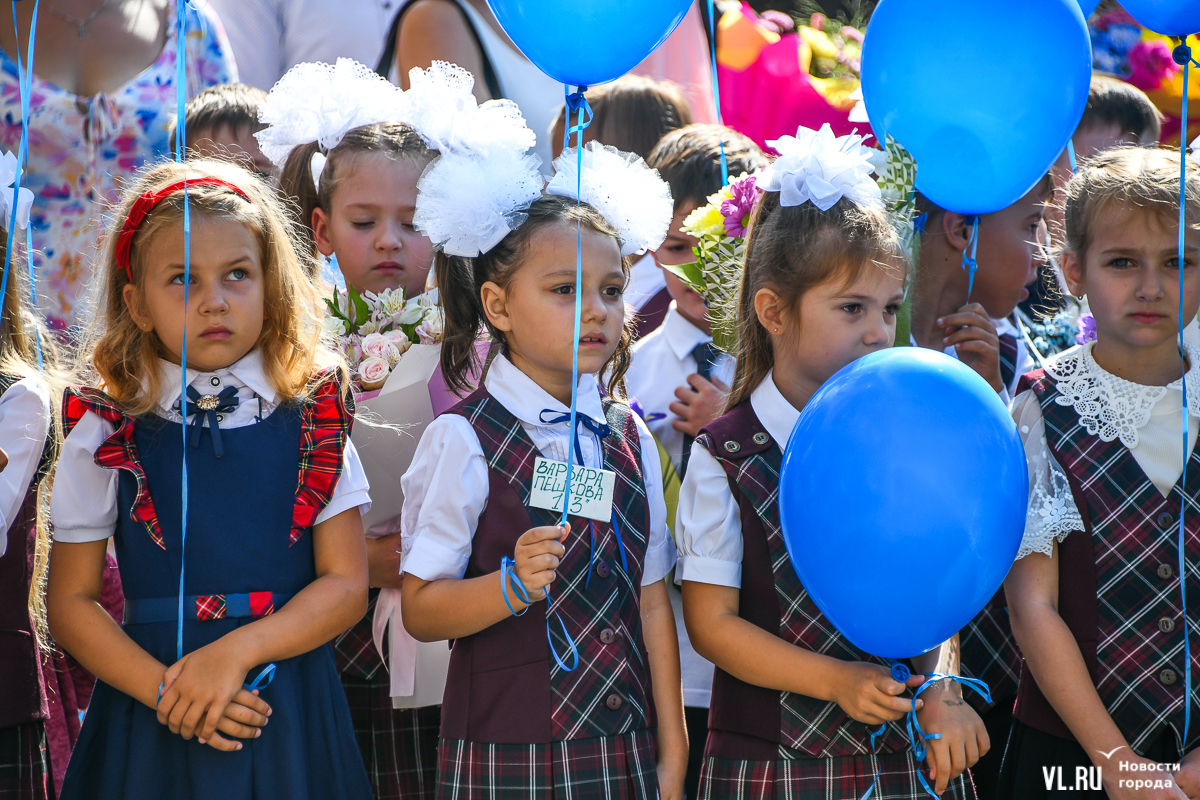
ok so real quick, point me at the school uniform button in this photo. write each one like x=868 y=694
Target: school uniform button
x=614 y=702
x=1165 y=572
x=732 y=446
x=761 y=438
x=214 y=380
x=1166 y=624
x=1167 y=677
x=608 y=636
x=1165 y=520
x=602 y=569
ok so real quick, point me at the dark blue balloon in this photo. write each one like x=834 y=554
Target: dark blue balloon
x=586 y=42
x=903 y=498
x=1168 y=17
x=985 y=106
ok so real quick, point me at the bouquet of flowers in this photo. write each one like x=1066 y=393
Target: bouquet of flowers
x=374 y=331
x=715 y=274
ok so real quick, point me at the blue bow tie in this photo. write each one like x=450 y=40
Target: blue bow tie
x=599 y=428
x=199 y=406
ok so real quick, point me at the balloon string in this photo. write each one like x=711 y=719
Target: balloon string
x=1071 y=155
x=180 y=142
x=25 y=86
x=716 y=84
x=917 y=736
x=969 y=264
x=1183 y=56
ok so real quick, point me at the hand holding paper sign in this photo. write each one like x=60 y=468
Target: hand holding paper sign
x=537 y=557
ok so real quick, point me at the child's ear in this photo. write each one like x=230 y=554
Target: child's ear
x=957 y=231
x=320 y=228
x=768 y=306
x=1072 y=271
x=495 y=306
x=133 y=302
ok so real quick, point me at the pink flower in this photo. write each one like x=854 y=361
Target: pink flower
x=736 y=210
x=1151 y=65
x=377 y=345
x=372 y=372
x=399 y=340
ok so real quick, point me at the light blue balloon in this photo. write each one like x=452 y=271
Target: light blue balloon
x=1088 y=7
x=586 y=42
x=1168 y=17
x=984 y=106
x=903 y=496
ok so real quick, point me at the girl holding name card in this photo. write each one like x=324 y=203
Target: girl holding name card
x=565 y=670
x=794 y=704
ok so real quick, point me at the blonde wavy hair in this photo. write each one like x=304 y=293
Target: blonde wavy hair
x=125 y=358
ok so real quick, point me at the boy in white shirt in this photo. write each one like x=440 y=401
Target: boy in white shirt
x=678 y=376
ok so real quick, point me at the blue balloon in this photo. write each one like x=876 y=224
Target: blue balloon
x=984 y=106
x=1088 y=7
x=1168 y=17
x=903 y=496
x=586 y=42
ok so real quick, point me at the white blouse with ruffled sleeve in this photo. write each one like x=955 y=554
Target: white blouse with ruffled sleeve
x=1146 y=419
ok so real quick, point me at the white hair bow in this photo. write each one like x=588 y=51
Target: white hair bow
x=820 y=168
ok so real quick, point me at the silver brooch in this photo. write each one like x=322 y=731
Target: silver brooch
x=208 y=402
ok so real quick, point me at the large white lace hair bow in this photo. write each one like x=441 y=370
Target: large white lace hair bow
x=441 y=107
x=820 y=168
x=626 y=192
x=317 y=102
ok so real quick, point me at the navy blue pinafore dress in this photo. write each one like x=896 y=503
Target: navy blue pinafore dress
x=245 y=558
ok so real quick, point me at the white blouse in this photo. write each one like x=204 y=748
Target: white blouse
x=708 y=521
x=83 y=505
x=24 y=424
x=662 y=362
x=1146 y=419
x=446 y=487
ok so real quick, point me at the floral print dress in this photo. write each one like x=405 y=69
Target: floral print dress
x=82 y=149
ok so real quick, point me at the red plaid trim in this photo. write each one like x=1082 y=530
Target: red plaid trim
x=1121 y=510
x=325 y=429
x=118 y=451
x=210 y=607
x=606 y=768
x=262 y=604
x=794 y=778
x=620 y=667
x=815 y=727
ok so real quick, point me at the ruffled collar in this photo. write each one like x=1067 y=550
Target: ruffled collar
x=1111 y=407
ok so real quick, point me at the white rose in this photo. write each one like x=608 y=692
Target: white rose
x=372 y=372
x=399 y=340
x=334 y=327
x=376 y=344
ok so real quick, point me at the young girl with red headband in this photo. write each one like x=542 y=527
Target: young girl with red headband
x=234 y=503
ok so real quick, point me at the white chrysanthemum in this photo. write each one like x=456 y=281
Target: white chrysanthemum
x=626 y=192
x=820 y=168
x=467 y=203
x=317 y=102
x=441 y=107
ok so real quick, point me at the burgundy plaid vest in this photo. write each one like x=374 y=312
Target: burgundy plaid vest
x=773 y=598
x=503 y=686
x=22 y=688
x=1118 y=587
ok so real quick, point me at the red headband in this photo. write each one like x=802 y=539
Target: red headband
x=145 y=204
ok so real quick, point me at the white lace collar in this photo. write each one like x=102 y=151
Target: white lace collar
x=1112 y=407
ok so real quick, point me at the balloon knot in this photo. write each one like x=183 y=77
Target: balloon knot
x=1182 y=54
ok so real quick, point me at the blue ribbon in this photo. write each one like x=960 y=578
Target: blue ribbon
x=509 y=577
x=1071 y=155
x=712 y=48
x=227 y=401
x=1183 y=56
x=601 y=429
x=917 y=736
x=969 y=264
x=25 y=86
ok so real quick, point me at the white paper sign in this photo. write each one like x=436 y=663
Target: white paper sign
x=591 y=489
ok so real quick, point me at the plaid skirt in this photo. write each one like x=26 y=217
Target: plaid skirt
x=792 y=777
x=399 y=745
x=606 y=768
x=25 y=763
